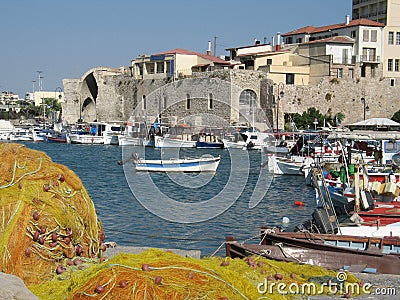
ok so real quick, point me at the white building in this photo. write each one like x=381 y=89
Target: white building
x=41 y=96
x=388 y=13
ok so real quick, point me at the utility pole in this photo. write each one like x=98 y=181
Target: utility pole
x=215 y=46
x=43 y=102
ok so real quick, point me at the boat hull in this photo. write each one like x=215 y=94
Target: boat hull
x=312 y=250
x=165 y=142
x=209 y=145
x=86 y=139
x=179 y=165
x=130 y=141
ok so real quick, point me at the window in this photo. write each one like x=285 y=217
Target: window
x=365 y=35
x=339 y=73
x=247 y=97
x=150 y=68
x=144 y=104
x=397 y=38
x=390 y=65
x=351 y=73
x=374 y=34
x=210 y=101
x=290 y=78
x=353 y=34
x=299 y=40
x=168 y=68
x=187 y=101
x=396 y=65
x=269 y=61
x=345 y=56
x=160 y=67
x=392 y=82
x=390 y=37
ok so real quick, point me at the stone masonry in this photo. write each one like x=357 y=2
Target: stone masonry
x=106 y=94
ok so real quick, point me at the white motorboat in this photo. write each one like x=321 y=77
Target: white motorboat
x=124 y=140
x=234 y=145
x=89 y=133
x=293 y=165
x=256 y=140
x=112 y=132
x=170 y=142
x=20 y=134
x=205 y=163
x=76 y=138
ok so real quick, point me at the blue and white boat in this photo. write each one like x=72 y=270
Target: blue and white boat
x=205 y=163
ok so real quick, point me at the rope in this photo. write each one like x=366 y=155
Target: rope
x=219 y=248
x=280 y=246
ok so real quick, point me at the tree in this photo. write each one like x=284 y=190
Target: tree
x=307 y=118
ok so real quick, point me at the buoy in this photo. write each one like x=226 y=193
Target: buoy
x=298 y=203
x=285 y=220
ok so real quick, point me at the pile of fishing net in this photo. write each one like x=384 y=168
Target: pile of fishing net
x=46 y=216
x=158 y=274
x=51 y=238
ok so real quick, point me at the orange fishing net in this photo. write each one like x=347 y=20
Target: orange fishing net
x=46 y=215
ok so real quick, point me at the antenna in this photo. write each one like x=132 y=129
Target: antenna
x=215 y=46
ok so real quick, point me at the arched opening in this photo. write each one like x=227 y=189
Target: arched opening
x=247 y=106
x=88 y=113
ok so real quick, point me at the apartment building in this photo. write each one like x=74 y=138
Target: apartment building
x=388 y=13
x=176 y=63
x=350 y=49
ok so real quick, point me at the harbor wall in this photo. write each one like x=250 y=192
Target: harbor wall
x=105 y=94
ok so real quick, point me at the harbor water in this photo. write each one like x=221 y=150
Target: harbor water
x=243 y=199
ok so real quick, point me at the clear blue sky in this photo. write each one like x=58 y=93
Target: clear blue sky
x=64 y=39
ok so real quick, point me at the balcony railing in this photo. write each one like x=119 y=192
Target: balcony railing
x=370 y=58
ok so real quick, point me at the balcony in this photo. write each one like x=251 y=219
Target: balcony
x=370 y=59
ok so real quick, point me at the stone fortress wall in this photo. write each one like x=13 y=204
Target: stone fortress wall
x=106 y=94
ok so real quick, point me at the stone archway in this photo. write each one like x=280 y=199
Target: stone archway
x=247 y=106
x=88 y=112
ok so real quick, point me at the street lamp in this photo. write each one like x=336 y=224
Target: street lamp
x=281 y=93
x=59 y=90
x=366 y=107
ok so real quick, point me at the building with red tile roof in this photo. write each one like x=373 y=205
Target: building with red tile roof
x=176 y=63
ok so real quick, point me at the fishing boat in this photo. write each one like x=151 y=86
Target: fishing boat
x=88 y=133
x=205 y=163
x=209 y=141
x=57 y=138
x=21 y=134
x=171 y=142
x=112 y=132
x=336 y=252
x=293 y=165
x=362 y=216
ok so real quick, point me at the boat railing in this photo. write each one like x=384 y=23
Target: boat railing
x=324 y=195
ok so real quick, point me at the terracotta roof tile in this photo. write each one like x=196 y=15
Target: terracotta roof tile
x=352 y=23
x=333 y=39
x=202 y=55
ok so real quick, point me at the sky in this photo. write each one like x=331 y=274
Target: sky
x=65 y=39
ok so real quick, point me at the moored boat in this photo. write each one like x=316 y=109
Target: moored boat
x=205 y=163
x=337 y=252
x=169 y=142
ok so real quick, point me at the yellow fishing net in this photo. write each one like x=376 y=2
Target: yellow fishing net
x=158 y=274
x=46 y=215
x=51 y=238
